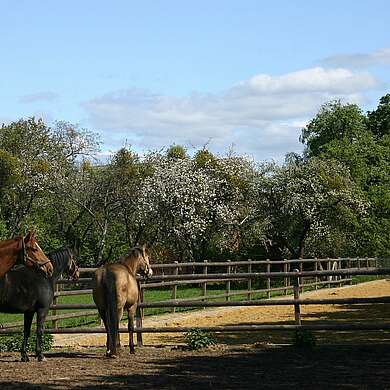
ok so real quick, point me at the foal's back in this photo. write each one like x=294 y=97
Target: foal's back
x=115 y=277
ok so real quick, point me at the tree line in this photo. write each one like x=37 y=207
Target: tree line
x=332 y=200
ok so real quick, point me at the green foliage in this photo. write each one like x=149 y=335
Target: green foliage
x=379 y=120
x=197 y=339
x=177 y=152
x=204 y=158
x=362 y=144
x=13 y=343
x=304 y=339
x=8 y=165
x=334 y=122
x=304 y=201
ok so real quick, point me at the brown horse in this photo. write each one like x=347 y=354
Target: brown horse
x=25 y=250
x=115 y=288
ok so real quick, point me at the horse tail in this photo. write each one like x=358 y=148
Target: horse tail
x=110 y=306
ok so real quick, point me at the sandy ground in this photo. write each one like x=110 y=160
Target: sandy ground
x=263 y=315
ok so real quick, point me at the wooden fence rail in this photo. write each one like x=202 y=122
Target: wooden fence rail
x=260 y=302
x=221 y=329
x=330 y=269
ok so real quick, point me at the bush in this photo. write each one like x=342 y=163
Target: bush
x=197 y=339
x=13 y=343
x=304 y=339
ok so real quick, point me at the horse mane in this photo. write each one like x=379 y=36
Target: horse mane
x=134 y=252
x=59 y=256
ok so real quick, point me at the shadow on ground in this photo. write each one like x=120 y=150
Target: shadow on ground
x=324 y=367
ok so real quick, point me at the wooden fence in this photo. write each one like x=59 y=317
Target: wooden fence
x=291 y=275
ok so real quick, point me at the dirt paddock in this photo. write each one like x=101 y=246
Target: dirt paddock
x=261 y=360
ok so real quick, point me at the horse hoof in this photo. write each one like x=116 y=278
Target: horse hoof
x=41 y=358
x=25 y=358
x=132 y=351
x=110 y=355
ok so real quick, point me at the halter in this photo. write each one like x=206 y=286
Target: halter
x=74 y=266
x=27 y=258
x=147 y=265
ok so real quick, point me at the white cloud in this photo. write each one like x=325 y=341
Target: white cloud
x=359 y=60
x=312 y=80
x=39 y=97
x=262 y=115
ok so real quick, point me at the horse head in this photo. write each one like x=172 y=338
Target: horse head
x=73 y=269
x=143 y=261
x=33 y=255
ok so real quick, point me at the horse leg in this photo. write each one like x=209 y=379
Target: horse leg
x=28 y=317
x=118 y=340
x=41 y=316
x=102 y=314
x=130 y=327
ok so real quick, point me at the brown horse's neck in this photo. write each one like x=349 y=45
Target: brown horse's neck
x=11 y=241
x=8 y=257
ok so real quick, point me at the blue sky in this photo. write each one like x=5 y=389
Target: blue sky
x=153 y=73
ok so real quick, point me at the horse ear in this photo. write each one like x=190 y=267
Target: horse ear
x=28 y=237
x=76 y=246
x=145 y=250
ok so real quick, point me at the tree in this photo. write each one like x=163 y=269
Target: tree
x=36 y=162
x=361 y=143
x=379 y=120
x=335 y=122
x=28 y=144
x=176 y=152
x=192 y=206
x=305 y=201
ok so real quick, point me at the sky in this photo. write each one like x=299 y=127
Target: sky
x=227 y=75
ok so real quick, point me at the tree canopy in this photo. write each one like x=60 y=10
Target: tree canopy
x=333 y=200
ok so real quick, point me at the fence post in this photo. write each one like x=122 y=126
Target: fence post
x=316 y=277
x=376 y=266
x=297 y=309
x=301 y=281
x=285 y=269
x=268 y=279
x=249 y=280
x=228 y=283
x=139 y=318
x=174 y=287
x=329 y=267
x=349 y=263
x=54 y=323
x=288 y=270
x=204 y=284
x=340 y=266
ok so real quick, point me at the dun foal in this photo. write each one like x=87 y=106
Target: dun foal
x=115 y=288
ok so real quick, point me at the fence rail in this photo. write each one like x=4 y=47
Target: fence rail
x=327 y=272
